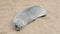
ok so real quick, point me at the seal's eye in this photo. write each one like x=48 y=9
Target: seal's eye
x=16 y=26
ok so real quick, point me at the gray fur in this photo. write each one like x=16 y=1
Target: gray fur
x=28 y=15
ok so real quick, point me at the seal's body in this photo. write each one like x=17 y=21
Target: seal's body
x=27 y=16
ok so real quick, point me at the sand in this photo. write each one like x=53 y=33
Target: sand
x=46 y=25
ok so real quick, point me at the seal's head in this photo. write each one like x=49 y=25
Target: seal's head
x=18 y=24
x=17 y=27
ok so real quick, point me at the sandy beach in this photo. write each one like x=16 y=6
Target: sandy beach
x=46 y=25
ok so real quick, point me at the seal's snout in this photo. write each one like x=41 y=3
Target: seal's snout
x=17 y=28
